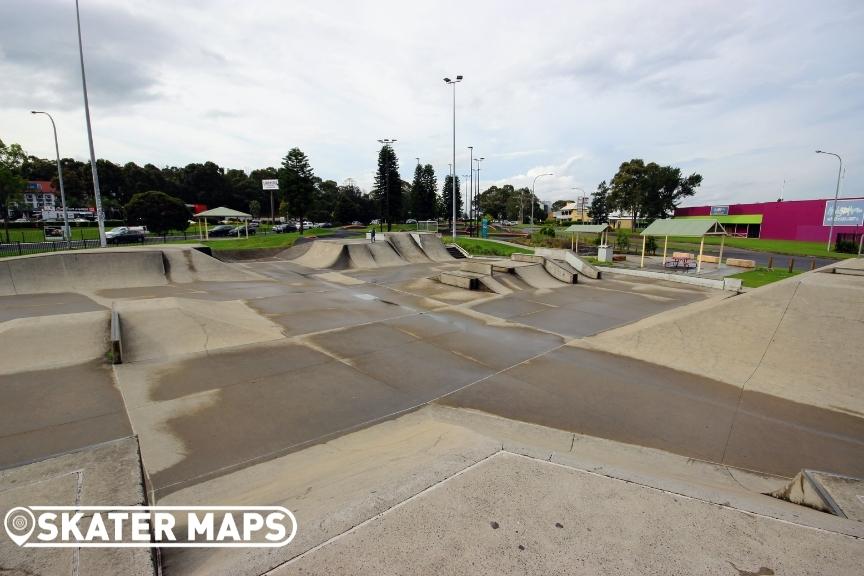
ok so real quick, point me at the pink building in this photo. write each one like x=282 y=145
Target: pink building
x=807 y=220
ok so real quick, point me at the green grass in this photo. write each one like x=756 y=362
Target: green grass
x=269 y=241
x=762 y=276
x=787 y=247
x=479 y=247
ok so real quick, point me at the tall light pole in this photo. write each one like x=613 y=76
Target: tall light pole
x=59 y=176
x=836 y=194
x=532 y=195
x=581 y=204
x=470 y=187
x=453 y=168
x=387 y=142
x=478 y=160
x=100 y=217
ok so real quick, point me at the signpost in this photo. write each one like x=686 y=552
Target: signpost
x=849 y=213
x=271 y=185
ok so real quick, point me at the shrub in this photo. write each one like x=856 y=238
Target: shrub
x=622 y=240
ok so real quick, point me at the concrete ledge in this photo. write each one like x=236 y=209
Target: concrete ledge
x=534 y=258
x=116 y=338
x=561 y=271
x=710 y=259
x=477 y=267
x=725 y=284
x=459 y=280
x=740 y=263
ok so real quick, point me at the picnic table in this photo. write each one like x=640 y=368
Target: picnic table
x=681 y=261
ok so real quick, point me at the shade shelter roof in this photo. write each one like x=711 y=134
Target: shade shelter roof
x=223 y=212
x=589 y=228
x=693 y=228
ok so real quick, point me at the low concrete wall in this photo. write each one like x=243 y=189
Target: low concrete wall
x=458 y=280
x=710 y=259
x=731 y=284
x=534 y=258
x=740 y=263
x=477 y=267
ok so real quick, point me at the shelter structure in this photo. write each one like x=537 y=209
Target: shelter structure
x=223 y=212
x=684 y=228
x=576 y=229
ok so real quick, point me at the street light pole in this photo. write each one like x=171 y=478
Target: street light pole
x=453 y=169
x=478 y=160
x=836 y=195
x=59 y=176
x=470 y=188
x=532 y=196
x=100 y=217
x=387 y=142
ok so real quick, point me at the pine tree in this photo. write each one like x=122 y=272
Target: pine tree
x=388 y=186
x=429 y=203
x=297 y=184
x=447 y=198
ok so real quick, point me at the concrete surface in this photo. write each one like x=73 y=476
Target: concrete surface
x=108 y=474
x=513 y=514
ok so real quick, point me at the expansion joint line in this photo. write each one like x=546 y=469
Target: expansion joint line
x=753 y=373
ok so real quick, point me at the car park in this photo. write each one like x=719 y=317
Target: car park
x=124 y=235
x=241 y=231
x=282 y=228
x=221 y=230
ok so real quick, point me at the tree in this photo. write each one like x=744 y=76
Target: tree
x=297 y=184
x=388 y=185
x=649 y=190
x=255 y=208
x=599 y=209
x=627 y=189
x=447 y=198
x=558 y=204
x=12 y=159
x=158 y=211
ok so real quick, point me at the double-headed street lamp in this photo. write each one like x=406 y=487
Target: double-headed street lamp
x=532 y=195
x=59 y=175
x=836 y=194
x=477 y=188
x=453 y=168
x=387 y=142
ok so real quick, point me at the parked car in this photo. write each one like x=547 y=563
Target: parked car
x=356 y=223
x=375 y=222
x=325 y=225
x=411 y=221
x=221 y=230
x=124 y=235
x=282 y=228
x=240 y=231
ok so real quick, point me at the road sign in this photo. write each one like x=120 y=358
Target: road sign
x=270 y=184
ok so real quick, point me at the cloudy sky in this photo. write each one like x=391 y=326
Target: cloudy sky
x=741 y=92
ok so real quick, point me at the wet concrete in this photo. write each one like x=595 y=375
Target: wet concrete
x=639 y=403
x=84 y=409
x=31 y=305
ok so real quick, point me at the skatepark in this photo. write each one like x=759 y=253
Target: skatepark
x=424 y=413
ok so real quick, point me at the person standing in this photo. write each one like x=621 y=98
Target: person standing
x=372 y=234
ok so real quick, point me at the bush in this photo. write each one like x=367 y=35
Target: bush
x=651 y=245
x=846 y=247
x=548 y=231
x=158 y=211
x=622 y=240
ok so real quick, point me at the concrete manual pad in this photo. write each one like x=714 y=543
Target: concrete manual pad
x=105 y=475
x=512 y=514
x=31 y=305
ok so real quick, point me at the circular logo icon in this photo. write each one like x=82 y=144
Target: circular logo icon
x=19 y=523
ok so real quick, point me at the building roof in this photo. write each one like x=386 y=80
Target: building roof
x=734 y=219
x=589 y=228
x=43 y=186
x=692 y=227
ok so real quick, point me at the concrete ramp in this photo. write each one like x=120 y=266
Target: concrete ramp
x=82 y=271
x=185 y=265
x=384 y=254
x=42 y=342
x=536 y=276
x=325 y=254
x=777 y=340
x=491 y=284
x=160 y=327
x=434 y=248
x=407 y=247
x=360 y=256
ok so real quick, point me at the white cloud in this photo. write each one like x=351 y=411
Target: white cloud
x=740 y=92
